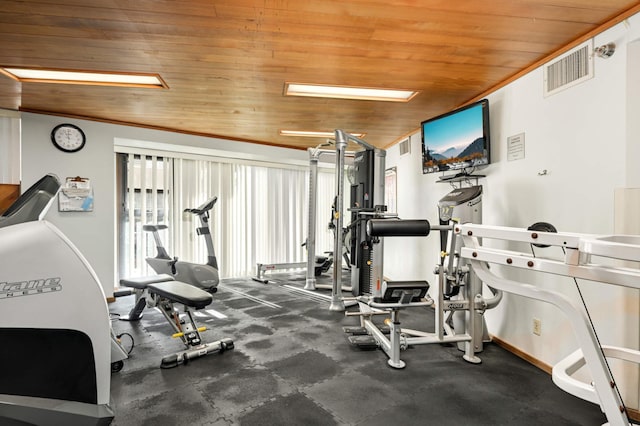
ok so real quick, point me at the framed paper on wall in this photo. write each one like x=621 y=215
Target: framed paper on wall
x=76 y=195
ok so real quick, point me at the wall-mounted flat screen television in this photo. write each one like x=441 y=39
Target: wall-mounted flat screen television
x=457 y=140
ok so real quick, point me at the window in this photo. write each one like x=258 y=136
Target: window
x=260 y=217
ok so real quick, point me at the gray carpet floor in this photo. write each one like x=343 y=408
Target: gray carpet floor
x=293 y=365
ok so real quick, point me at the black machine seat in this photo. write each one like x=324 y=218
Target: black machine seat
x=153 y=228
x=403 y=291
x=141 y=283
x=179 y=292
x=203 y=208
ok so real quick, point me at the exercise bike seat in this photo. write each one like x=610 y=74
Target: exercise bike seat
x=141 y=283
x=183 y=293
x=203 y=208
x=153 y=228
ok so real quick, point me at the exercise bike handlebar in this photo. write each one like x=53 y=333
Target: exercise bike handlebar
x=204 y=207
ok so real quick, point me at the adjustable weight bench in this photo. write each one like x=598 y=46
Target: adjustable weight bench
x=139 y=286
x=163 y=293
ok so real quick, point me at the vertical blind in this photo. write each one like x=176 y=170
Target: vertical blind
x=260 y=217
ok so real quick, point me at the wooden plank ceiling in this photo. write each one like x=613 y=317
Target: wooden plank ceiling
x=226 y=61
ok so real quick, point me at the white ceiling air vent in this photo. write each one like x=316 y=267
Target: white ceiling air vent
x=405 y=147
x=570 y=69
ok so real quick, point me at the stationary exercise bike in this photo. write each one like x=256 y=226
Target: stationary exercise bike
x=204 y=276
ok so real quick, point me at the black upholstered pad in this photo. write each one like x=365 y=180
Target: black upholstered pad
x=142 y=282
x=398 y=228
x=180 y=292
x=395 y=291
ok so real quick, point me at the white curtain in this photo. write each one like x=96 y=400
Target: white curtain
x=148 y=200
x=261 y=214
x=9 y=148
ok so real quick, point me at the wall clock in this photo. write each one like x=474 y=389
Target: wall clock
x=68 y=138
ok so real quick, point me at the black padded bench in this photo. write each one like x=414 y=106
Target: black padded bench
x=139 y=286
x=141 y=283
x=165 y=287
x=180 y=292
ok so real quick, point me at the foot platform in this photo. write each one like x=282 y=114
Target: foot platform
x=355 y=331
x=366 y=343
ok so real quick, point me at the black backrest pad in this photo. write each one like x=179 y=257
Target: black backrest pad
x=398 y=228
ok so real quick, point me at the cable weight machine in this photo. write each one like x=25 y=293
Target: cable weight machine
x=367 y=200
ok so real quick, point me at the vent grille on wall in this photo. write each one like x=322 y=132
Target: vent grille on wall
x=570 y=69
x=405 y=147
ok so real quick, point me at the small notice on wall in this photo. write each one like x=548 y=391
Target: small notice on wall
x=390 y=194
x=76 y=195
x=515 y=147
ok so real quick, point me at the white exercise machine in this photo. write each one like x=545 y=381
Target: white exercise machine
x=458 y=302
x=390 y=297
x=580 y=253
x=58 y=346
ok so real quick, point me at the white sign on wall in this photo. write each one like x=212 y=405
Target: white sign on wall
x=515 y=147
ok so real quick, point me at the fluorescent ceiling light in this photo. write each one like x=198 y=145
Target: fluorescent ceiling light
x=312 y=134
x=345 y=92
x=41 y=75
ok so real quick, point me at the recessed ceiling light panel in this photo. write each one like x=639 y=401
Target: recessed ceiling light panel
x=42 y=75
x=346 y=92
x=314 y=134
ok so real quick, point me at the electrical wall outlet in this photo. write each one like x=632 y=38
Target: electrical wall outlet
x=537 y=327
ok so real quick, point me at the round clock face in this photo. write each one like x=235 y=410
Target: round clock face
x=68 y=138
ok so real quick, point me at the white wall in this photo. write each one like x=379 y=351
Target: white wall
x=94 y=232
x=586 y=138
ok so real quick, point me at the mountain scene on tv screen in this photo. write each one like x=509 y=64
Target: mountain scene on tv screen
x=474 y=148
x=470 y=153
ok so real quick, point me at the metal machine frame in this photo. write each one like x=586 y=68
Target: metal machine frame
x=579 y=249
x=314 y=263
x=342 y=138
x=458 y=302
x=470 y=303
x=314 y=157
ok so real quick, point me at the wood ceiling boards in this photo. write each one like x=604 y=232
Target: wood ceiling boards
x=226 y=62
